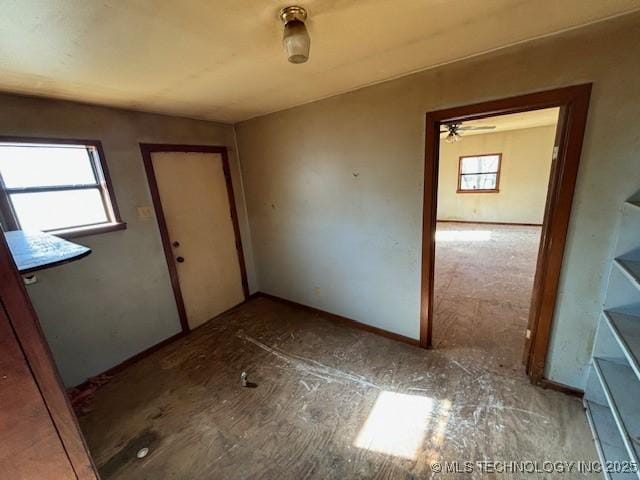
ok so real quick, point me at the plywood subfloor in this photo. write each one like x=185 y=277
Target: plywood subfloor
x=331 y=402
x=484 y=277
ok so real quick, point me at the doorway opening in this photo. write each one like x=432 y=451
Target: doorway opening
x=490 y=283
x=492 y=188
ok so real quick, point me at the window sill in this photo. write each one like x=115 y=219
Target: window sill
x=477 y=191
x=87 y=231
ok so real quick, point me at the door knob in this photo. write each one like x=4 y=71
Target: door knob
x=176 y=244
x=180 y=259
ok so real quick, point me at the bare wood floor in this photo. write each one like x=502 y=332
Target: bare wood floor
x=483 y=283
x=331 y=402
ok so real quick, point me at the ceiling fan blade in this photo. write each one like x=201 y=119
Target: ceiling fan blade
x=479 y=127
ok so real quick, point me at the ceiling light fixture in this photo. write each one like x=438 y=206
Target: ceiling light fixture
x=453 y=137
x=295 y=38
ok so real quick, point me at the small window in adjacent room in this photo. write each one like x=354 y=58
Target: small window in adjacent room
x=60 y=188
x=479 y=173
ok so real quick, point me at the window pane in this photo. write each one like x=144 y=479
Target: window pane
x=480 y=164
x=485 y=181
x=56 y=210
x=37 y=166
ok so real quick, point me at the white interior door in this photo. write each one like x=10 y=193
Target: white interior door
x=195 y=203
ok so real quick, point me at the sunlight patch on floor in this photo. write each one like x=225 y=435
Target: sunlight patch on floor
x=398 y=424
x=463 y=235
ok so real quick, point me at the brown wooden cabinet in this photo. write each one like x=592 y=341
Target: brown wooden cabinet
x=31 y=447
x=39 y=434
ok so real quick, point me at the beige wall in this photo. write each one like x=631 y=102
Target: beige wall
x=524 y=177
x=118 y=301
x=334 y=188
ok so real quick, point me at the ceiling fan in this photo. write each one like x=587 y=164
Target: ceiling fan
x=454 y=130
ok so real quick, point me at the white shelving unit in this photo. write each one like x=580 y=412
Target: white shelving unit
x=612 y=395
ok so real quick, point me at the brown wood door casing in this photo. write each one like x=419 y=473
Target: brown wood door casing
x=147 y=150
x=574 y=104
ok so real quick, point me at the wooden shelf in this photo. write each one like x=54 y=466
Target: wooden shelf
x=607 y=438
x=625 y=327
x=631 y=268
x=622 y=389
x=33 y=251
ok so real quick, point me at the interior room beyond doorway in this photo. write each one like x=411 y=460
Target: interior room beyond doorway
x=492 y=191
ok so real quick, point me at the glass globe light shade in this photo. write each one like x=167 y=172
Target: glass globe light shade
x=296 y=41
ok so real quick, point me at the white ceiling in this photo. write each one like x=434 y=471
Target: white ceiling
x=222 y=59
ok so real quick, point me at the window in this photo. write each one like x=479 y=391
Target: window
x=60 y=188
x=479 y=173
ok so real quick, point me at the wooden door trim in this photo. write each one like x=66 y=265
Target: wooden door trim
x=26 y=326
x=147 y=150
x=574 y=104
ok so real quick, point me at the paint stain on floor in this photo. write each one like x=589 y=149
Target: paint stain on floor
x=331 y=402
